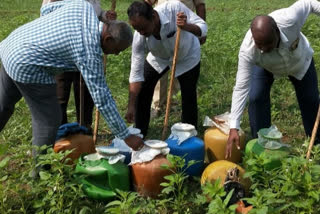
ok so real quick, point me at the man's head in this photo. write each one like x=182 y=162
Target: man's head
x=265 y=33
x=116 y=37
x=142 y=18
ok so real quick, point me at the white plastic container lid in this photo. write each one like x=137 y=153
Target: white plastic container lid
x=108 y=151
x=156 y=144
x=183 y=127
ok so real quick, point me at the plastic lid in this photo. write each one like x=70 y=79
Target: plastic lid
x=92 y=157
x=183 y=127
x=270 y=134
x=106 y=150
x=156 y=144
x=134 y=131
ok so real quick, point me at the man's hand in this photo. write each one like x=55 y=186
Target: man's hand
x=181 y=20
x=233 y=138
x=130 y=116
x=135 y=142
x=111 y=15
x=183 y=25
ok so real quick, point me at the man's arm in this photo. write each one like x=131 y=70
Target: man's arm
x=92 y=72
x=200 y=8
x=189 y=21
x=201 y=11
x=136 y=73
x=240 y=91
x=298 y=12
x=134 y=89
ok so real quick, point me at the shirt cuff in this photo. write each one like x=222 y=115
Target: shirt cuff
x=124 y=134
x=234 y=124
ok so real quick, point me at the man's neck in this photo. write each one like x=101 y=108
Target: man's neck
x=156 y=32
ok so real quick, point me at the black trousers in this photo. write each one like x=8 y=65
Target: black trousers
x=188 y=86
x=64 y=82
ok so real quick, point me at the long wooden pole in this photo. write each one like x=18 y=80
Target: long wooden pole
x=314 y=133
x=97 y=114
x=175 y=57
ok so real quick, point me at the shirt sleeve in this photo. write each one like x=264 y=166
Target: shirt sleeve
x=137 y=58
x=242 y=86
x=297 y=13
x=193 y=18
x=92 y=72
x=48 y=7
x=91 y=67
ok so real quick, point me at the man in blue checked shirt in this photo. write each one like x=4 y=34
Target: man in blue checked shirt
x=70 y=37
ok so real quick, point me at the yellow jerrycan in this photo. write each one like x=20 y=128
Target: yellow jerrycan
x=215 y=142
x=219 y=169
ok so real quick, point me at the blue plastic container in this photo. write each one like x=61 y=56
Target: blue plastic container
x=127 y=160
x=193 y=148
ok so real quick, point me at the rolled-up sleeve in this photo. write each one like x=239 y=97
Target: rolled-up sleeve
x=193 y=18
x=137 y=58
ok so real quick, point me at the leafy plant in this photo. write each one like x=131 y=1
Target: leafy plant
x=174 y=189
x=215 y=198
x=56 y=190
x=292 y=188
x=124 y=205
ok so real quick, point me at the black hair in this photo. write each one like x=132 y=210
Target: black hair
x=140 y=8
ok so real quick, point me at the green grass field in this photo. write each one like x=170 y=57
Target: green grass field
x=228 y=22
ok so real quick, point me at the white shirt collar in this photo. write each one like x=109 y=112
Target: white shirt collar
x=163 y=21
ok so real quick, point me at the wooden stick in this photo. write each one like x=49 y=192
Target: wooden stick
x=97 y=113
x=314 y=133
x=175 y=56
x=113 y=5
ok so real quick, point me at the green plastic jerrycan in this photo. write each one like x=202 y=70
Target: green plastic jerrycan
x=100 y=179
x=272 y=157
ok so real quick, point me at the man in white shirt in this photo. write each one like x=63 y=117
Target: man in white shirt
x=155 y=34
x=160 y=94
x=275 y=47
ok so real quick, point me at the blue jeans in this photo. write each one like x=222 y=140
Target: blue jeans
x=259 y=98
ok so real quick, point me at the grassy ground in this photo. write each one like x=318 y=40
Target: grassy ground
x=228 y=22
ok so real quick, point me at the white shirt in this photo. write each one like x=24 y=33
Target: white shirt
x=293 y=57
x=160 y=52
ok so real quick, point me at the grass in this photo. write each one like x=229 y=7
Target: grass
x=228 y=22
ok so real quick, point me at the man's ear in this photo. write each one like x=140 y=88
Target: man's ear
x=154 y=15
x=107 y=39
